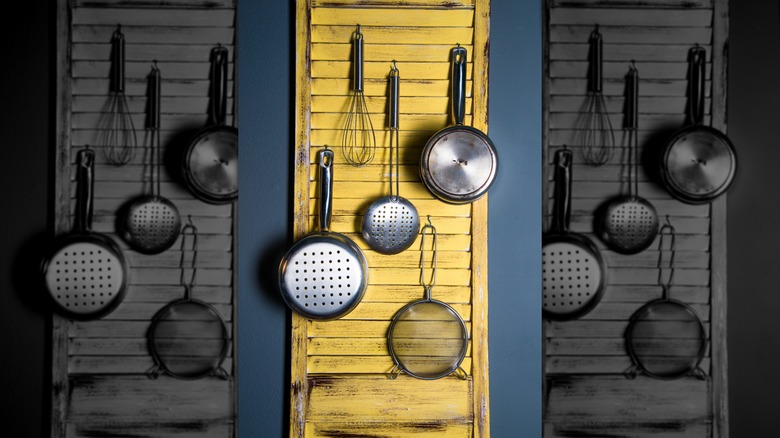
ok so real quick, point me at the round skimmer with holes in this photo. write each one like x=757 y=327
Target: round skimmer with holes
x=629 y=224
x=572 y=279
x=390 y=225
x=323 y=276
x=152 y=224
x=85 y=279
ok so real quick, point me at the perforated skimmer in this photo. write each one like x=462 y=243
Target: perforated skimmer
x=151 y=223
x=391 y=223
x=323 y=275
x=629 y=223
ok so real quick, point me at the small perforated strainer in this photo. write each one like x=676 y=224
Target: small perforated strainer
x=391 y=223
x=427 y=338
x=628 y=223
x=573 y=270
x=151 y=223
x=325 y=274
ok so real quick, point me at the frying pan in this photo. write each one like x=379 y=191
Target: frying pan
x=210 y=164
x=391 y=223
x=86 y=273
x=629 y=223
x=325 y=274
x=150 y=223
x=458 y=163
x=188 y=339
x=427 y=338
x=573 y=270
x=665 y=338
x=698 y=163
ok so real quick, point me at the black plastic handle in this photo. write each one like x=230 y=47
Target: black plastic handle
x=325 y=162
x=595 y=58
x=458 y=64
x=357 y=60
x=219 y=69
x=697 y=61
x=85 y=183
x=117 y=74
x=562 y=194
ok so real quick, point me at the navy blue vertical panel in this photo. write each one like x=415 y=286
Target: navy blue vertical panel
x=266 y=50
x=514 y=219
x=266 y=81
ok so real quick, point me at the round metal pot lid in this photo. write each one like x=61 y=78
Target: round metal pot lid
x=212 y=165
x=699 y=164
x=459 y=164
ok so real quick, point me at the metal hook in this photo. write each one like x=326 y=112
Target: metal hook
x=427 y=286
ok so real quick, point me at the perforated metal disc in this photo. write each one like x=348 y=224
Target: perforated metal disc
x=153 y=225
x=390 y=225
x=666 y=339
x=85 y=279
x=188 y=339
x=630 y=225
x=428 y=339
x=572 y=279
x=322 y=276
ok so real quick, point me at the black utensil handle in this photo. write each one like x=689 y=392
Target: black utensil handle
x=595 y=58
x=697 y=62
x=357 y=60
x=117 y=74
x=562 y=193
x=632 y=124
x=85 y=182
x=393 y=81
x=458 y=65
x=219 y=65
x=325 y=162
x=154 y=81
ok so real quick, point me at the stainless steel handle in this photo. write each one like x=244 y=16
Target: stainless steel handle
x=325 y=162
x=85 y=180
x=562 y=194
x=458 y=64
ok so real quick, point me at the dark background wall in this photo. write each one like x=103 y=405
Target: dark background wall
x=26 y=139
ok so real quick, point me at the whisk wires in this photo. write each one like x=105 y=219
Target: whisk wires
x=595 y=127
x=117 y=130
x=358 y=137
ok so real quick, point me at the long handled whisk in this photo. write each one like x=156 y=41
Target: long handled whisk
x=595 y=128
x=359 y=140
x=117 y=129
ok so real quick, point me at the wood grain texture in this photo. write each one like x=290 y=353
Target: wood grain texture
x=96 y=360
x=339 y=384
x=585 y=360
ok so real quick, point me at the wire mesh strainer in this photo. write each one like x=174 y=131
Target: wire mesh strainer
x=188 y=338
x=665 y=338
x=427 y=339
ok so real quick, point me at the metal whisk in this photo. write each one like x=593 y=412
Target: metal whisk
x=359 y=140
x=116 y=128
x=595 y=128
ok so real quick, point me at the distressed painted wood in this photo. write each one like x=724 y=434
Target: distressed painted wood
x=586 y=392
x=339 y=384
x=93 y=361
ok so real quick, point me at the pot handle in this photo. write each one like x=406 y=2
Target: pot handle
x=219 y=64
x=458 y=65
x=325 y=162
x=697 y=61
x=562 y=194
x=85 y=182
